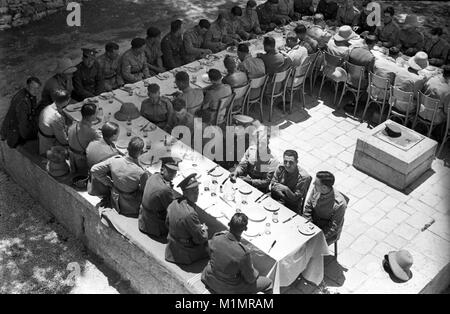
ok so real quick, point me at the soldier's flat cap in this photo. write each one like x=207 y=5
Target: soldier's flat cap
x=138 y=42
x=189 y=183
x=89 y=52
x=171 y=162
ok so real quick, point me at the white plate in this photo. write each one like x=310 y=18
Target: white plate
x=122 y=143
x=74 y=107
x=107 y=95
x=142 y=93
x=271 y=206
x=307 y=229
x=252 y=231
x=205 y=78
x=218 y=172
x=146 y=159
x=190 y=171
x=245 y=189
x=215 y=212
x=256 y=214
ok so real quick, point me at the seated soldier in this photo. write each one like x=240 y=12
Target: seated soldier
x=230 y=269
x=153 y=53
x=295 y=52
x=290 y=182
x=437 y=87
x=411 y=40
x=347 y=14
x=133 y=66
x=88 y=80
x=339 y=44
x=79 y=136
x=363 y=56
x=329 y=9
x=305 y=40
x=158 y=194
x=274 y=61
x=157 y=109
x=253 y=67
x=304 y=7
x=125 y=177
x=326 y=207
x=234 y=77
x=269 y=17
x=109 y=64
x=363 y=27
x=437 y=48
x=235 y=24
x=194 y=41
x=257 y=165
x=182 y=117
x=187 y=238
x=101 y=150
x=52 y=128
x=213 y=93
x=250 y=20
x=193 y=97
x=218 y=37
x=388 y=33
x=172 y=46
x=286 y=8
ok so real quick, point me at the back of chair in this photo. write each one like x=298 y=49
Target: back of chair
x=299 y=74
x=428 y=107
x=257 y=86
x=224 y=107
x=331 y=60
x=397 y=95
x=356 y=75
x=240 y=95
x=378 y=87
x=278 y=82
x=312 y=58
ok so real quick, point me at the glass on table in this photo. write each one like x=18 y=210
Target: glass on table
x=213 y=187
x=275 y=217
x=128 y=128
x=145 y=133
x=268 y=229
x=148 y=144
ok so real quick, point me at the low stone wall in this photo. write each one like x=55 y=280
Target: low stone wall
x=15 y=13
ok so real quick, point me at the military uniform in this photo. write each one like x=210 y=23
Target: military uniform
x=230 y=269
x=126 y=179
x=408 y=81
x=304 y=7
x=152 y=53
x=310 y=44
x=236 y=79
x=338 y=49
x=363 y=26
x=275 y=62
x=439 y=50
x=329 y=10
x=250 y=22
x=193 y=97
x=134 y=68
x=218 y=36
x=411 y=39
x=259 y=171
x=363 y=57
x=253 y=67
x=158 y=195
x=327 y=212
x=298 y=182
x=79 y=136
x=52 y=129
x=58 y=81
x=267 y=16
x=347 y=16
x=193 y=44
x=173 y=51
x=388 y=34
x=439 y=88
x=297 y=54
x=235 y=27
x=110 y=70
x=160 y=113
x=286 y=8
x=213 y=94
x=87 y=82
x=187 y=239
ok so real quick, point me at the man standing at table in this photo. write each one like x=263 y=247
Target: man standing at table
x=329 y=9
x=187 y=238
x=230 y=269
x=290 y=182
x=234 y=77
x=52 y=128
x=158 y=194
x=194 y=41
x=88 y=79
x=213 y=93
x=80 y=134
x=326 y=207
x=295 y=52
x=152 y=50
x=268 y=17
x=253 y=67
x=250 y=20
x=193 y=97
x=134 y=66
x=172 y=46
x=388 y=33
x=109 y=64
x=157 y=109
x=437 y=48
x=125 y=177
x=411 y=40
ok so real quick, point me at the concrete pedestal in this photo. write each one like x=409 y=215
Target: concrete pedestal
x=396 y=162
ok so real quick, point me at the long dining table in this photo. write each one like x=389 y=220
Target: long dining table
x=283 y=245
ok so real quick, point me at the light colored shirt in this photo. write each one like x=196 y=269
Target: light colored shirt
x=439 y=88
x=253 y=67
x=98 y=151
x=389 y=33
x=193 y=98
x=236 y=79
x=53 y=125
x=134 y=68
x=408 y=82
x=250 y=22
x=110 y=69
x=297 y=55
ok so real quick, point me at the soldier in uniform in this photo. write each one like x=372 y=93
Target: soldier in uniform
x=305 y=40
x=213 y=93
x=230 y=269
x=109 y=63
x=157 y=109
x=126 y=178
x=235 y=78
x=347 y=14
x=257 y=165
x=437 y=48
x=88 y=79
x=411 y=40
x=192 y=96
x=268 y=17
x=218 y=36
x=235 y=24
x=326 y=207
x=52 y=126
x=158 y=194
x=388 y=33
x=296 y=52
x=62 y=80
x=194 y=41
x=187 y=238
x=172 y=46
x=134 y=66
x=153 y=53
x=79 y=136
x=250 y=20
x=290 y=182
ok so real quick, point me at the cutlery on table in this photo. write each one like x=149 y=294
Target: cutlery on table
x=289 y=219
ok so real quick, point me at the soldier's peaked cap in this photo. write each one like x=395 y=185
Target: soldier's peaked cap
x=171 y=162
x=189 y=183
x=89 y=52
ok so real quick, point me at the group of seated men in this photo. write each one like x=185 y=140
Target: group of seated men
x=125 y=183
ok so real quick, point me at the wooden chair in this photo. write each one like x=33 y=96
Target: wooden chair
x=313 y=59
x=378 y=93
x=296 y=82
x=238 y=104
x=428 y=103
x=397 y=95
x=225 y=103
x=356 y=79
x=255 y=85
x=447 y=129
x=347 y=199
x=278 y=84
x=304 y=197
x=330 y=63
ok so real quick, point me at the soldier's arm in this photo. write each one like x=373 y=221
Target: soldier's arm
x=78 y=86
x=210 y=43
x=60 y=131
x=168 y=55
x=307 y=211
x=196 y=230
x=262 y=184
x=335 y=222
x=126 y=71
x=189 y=46
x=242 y=168
x=145 y=71
x=22 y=118
x=248 y=271
x=300 y=189
x=100 y=172
x=275 y=179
